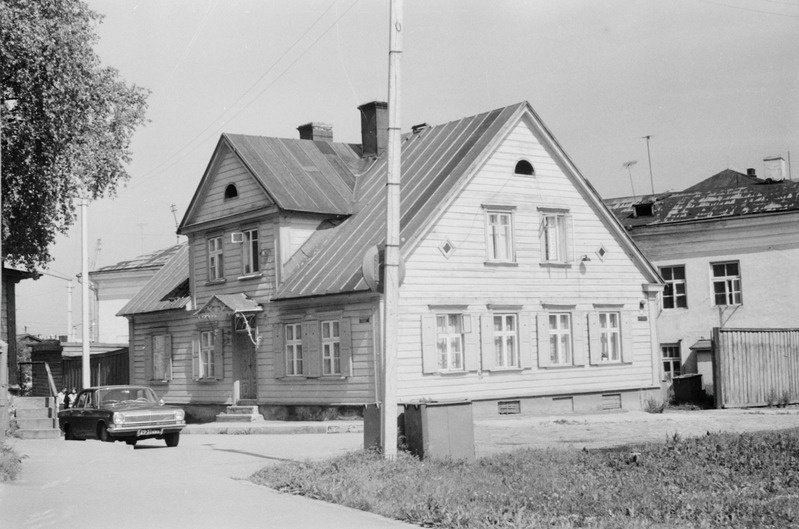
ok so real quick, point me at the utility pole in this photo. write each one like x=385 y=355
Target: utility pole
x=84 y=251
x=649 y=157
x=392 y=256
x=3 y=348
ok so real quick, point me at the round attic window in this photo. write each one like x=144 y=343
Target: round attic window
x=231 y=191
x=524 y=167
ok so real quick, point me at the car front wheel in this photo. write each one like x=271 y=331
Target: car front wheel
x=103 y=434
x=172 y=439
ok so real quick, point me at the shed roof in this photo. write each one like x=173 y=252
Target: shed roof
x=166 y=290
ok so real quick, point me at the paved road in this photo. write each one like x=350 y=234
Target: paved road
x=199 y=484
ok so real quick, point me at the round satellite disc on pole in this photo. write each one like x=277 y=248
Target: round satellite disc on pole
x=373 y=262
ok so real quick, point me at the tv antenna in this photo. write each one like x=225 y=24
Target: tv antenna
x=627 y=166
x=649 y=157
x=173 y=208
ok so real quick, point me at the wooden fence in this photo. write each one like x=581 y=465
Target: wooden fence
x=755 y=367
x=106 y=369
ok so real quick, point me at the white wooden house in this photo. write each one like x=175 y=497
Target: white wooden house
x=519 y=285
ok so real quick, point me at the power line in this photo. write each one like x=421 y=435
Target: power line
x=749 y=9
x=167 y=163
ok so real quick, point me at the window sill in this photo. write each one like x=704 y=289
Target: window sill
x=215 y=281
x=158 y=382
x=451 y=373
x=501 y=264
x=207 y=380
x=675 y=308
x=562 y=366
x=333 y=377
x=555 y=265
x=248 y=277
x=506 y=370
x=731 y=305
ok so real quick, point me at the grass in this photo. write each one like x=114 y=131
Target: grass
x=720 y=480
x=10 y=463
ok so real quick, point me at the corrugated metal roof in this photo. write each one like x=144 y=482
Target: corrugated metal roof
x=433 y=162
x=302 y=175
x=166 y=290
x=734 y=201
x=152 y=260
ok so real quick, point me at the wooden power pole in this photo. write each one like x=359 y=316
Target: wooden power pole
x=392 y=256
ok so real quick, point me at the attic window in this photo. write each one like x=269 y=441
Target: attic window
x=523 y=167
x=644 y=209
x=231 y=191
x=447 y=248
x=181 y=291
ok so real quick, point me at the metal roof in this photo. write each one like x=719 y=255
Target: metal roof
x=166 y=290
x=302 y=175
x=152 y=260
x=433 y=162
x=739 y=198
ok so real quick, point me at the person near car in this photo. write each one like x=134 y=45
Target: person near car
x=60 y=399
x=72 y=398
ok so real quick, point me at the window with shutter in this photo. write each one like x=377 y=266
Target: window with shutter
x=556 y=236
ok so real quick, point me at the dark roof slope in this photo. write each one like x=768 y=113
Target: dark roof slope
x=692 y=205
x=724 y=180
x=166 y=290
x=302 y=175
x=433 y=162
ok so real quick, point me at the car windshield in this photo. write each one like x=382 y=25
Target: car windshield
x=120 y=395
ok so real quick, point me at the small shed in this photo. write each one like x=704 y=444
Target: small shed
x=109 y=365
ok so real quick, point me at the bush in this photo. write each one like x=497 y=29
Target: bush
x=655 y=406
x=10 y=463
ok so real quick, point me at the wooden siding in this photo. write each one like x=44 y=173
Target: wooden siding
x=229 y=170
x=755 y=367
x=466 y=279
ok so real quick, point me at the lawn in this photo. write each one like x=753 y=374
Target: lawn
x=719 y=480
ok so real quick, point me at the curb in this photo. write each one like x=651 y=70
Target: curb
x=272 y=428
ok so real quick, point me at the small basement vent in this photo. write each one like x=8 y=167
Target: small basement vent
x=611 y=402
x=509 y=407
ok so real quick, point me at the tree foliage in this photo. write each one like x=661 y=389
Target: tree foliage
x=67 y=122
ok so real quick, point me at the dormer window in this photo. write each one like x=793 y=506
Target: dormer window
x=523 y=167
x=643 y=209
x=231 y=192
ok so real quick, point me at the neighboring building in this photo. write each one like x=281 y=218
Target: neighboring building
x=519 y=285
x=115 y=285
x=728 y=250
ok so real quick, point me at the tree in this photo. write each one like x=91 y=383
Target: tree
x=67 y=133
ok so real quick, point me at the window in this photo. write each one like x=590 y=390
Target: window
x=560 y=339
x=726 y=283
x=162 y=357
x=499 y=235
x=331 y=348
x=294 y=349
x=449 y=340
x=250 y=252
x=523 y=167
x=207 y=349
x=674 y=296
x=671 y=360
x=215 y=259
x=231 y=192
x=506 y=351
x=610 y=337
x=556 y=238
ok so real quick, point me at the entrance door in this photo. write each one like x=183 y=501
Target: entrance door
x=244 y=370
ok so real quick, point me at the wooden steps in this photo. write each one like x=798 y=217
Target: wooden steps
x=240 y=414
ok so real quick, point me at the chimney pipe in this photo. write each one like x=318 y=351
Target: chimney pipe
x=374 y=128
x=751 y=172
x=316 y=131
x=775 y=168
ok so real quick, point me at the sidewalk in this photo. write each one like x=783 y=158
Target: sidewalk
x=275 y=427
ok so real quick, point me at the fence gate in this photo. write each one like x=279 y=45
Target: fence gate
x=755 y=367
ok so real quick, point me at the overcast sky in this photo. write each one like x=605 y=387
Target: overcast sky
x=714 y=82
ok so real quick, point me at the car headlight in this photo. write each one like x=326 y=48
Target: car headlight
x=179 y=415
x=119 y=418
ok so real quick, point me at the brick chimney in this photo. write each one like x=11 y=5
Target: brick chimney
x=316 y=131
x=775 y=168
x=374 y=127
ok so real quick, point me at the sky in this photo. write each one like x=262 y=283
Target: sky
x=714 y=83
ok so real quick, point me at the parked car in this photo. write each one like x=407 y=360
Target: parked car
x=121 y=413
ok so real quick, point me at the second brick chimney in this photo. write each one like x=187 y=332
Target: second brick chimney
x=374 y=127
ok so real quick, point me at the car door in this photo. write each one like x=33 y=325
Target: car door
x=81 y=415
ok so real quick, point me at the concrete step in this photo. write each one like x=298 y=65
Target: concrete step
x=32 y=402
x=242 y=410
x=43 y=433
x=36 y=424
x=236 y=417
x=34 y=413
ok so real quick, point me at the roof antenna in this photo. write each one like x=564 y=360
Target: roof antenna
x=627 y=166
x=173 y=208
x=649 y=156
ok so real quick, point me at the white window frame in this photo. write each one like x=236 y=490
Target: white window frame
x=733 y=292
x=556 y=238
x=506 y=341
x=450 y=351
x=673 y=360
x=561 y=341
x=207 y=349
x=500 y=243
x=610 y=336
x=216 y=259
x=293 y=348
x=331 y=347
x=250 y=263
x=671 y=285
x=161 y=358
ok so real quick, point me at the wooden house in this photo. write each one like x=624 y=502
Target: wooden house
x=519 y=285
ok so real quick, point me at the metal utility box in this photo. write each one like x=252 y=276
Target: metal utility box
x=688 y=389
x=440 y=429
